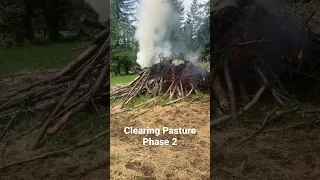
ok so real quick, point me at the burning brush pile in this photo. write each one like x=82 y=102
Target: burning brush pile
x=175 y=78
x=256 y=51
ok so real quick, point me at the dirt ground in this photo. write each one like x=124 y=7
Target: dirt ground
x=190 y=159
x=87 y=162
x=67 y=166
x=289 y=154
x=22 y=79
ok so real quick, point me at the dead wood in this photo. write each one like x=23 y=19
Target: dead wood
x=177 y=100
x=304 y=124
x=232 y=95
x=272 y=115
x=9 y=125
x=68 y=92
x=264 y=124
x=84 y=102
x=248 y=106
x=166 y=80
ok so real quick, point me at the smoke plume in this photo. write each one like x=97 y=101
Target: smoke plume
x=152 y=28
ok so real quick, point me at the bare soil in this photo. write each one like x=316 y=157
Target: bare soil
x=22 y=79
x=190 y=159
x=56 y=168
x=289 y=154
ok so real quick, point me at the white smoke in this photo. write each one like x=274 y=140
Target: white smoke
x=152 y=29
x=193 y=56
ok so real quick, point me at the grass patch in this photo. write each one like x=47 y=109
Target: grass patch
x=121 y=79
x=14 y=60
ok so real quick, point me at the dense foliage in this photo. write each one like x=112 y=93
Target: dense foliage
x=24 y=21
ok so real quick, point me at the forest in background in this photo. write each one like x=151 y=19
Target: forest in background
x=24 y=22
x=43 y=34
x=192 y=30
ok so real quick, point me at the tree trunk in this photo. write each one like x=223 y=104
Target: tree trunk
x=233 y=102
x=29 y=34
x=19 y=37
x=51 y=17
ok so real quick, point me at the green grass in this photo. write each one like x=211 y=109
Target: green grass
x=121 y=79
x=13 y=60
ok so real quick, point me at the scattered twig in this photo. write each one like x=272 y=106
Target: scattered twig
x=146 y=102
x=313 y=120
x=95 y=106
x=35 y=63
x=4 y=150
x=307 y=21
x=275 y=95
x=294 y=126
x=177 y=100
x=8 y=126
x=273 y=115
x=264 y=124
x=232 y=96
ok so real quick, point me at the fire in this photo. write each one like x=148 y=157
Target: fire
x=172 y=76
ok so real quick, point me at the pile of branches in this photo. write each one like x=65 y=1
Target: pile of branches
x=176 y=78
x=83 y=82
x=254 y=52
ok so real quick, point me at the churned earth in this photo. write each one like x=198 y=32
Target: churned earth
x=189 y=159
